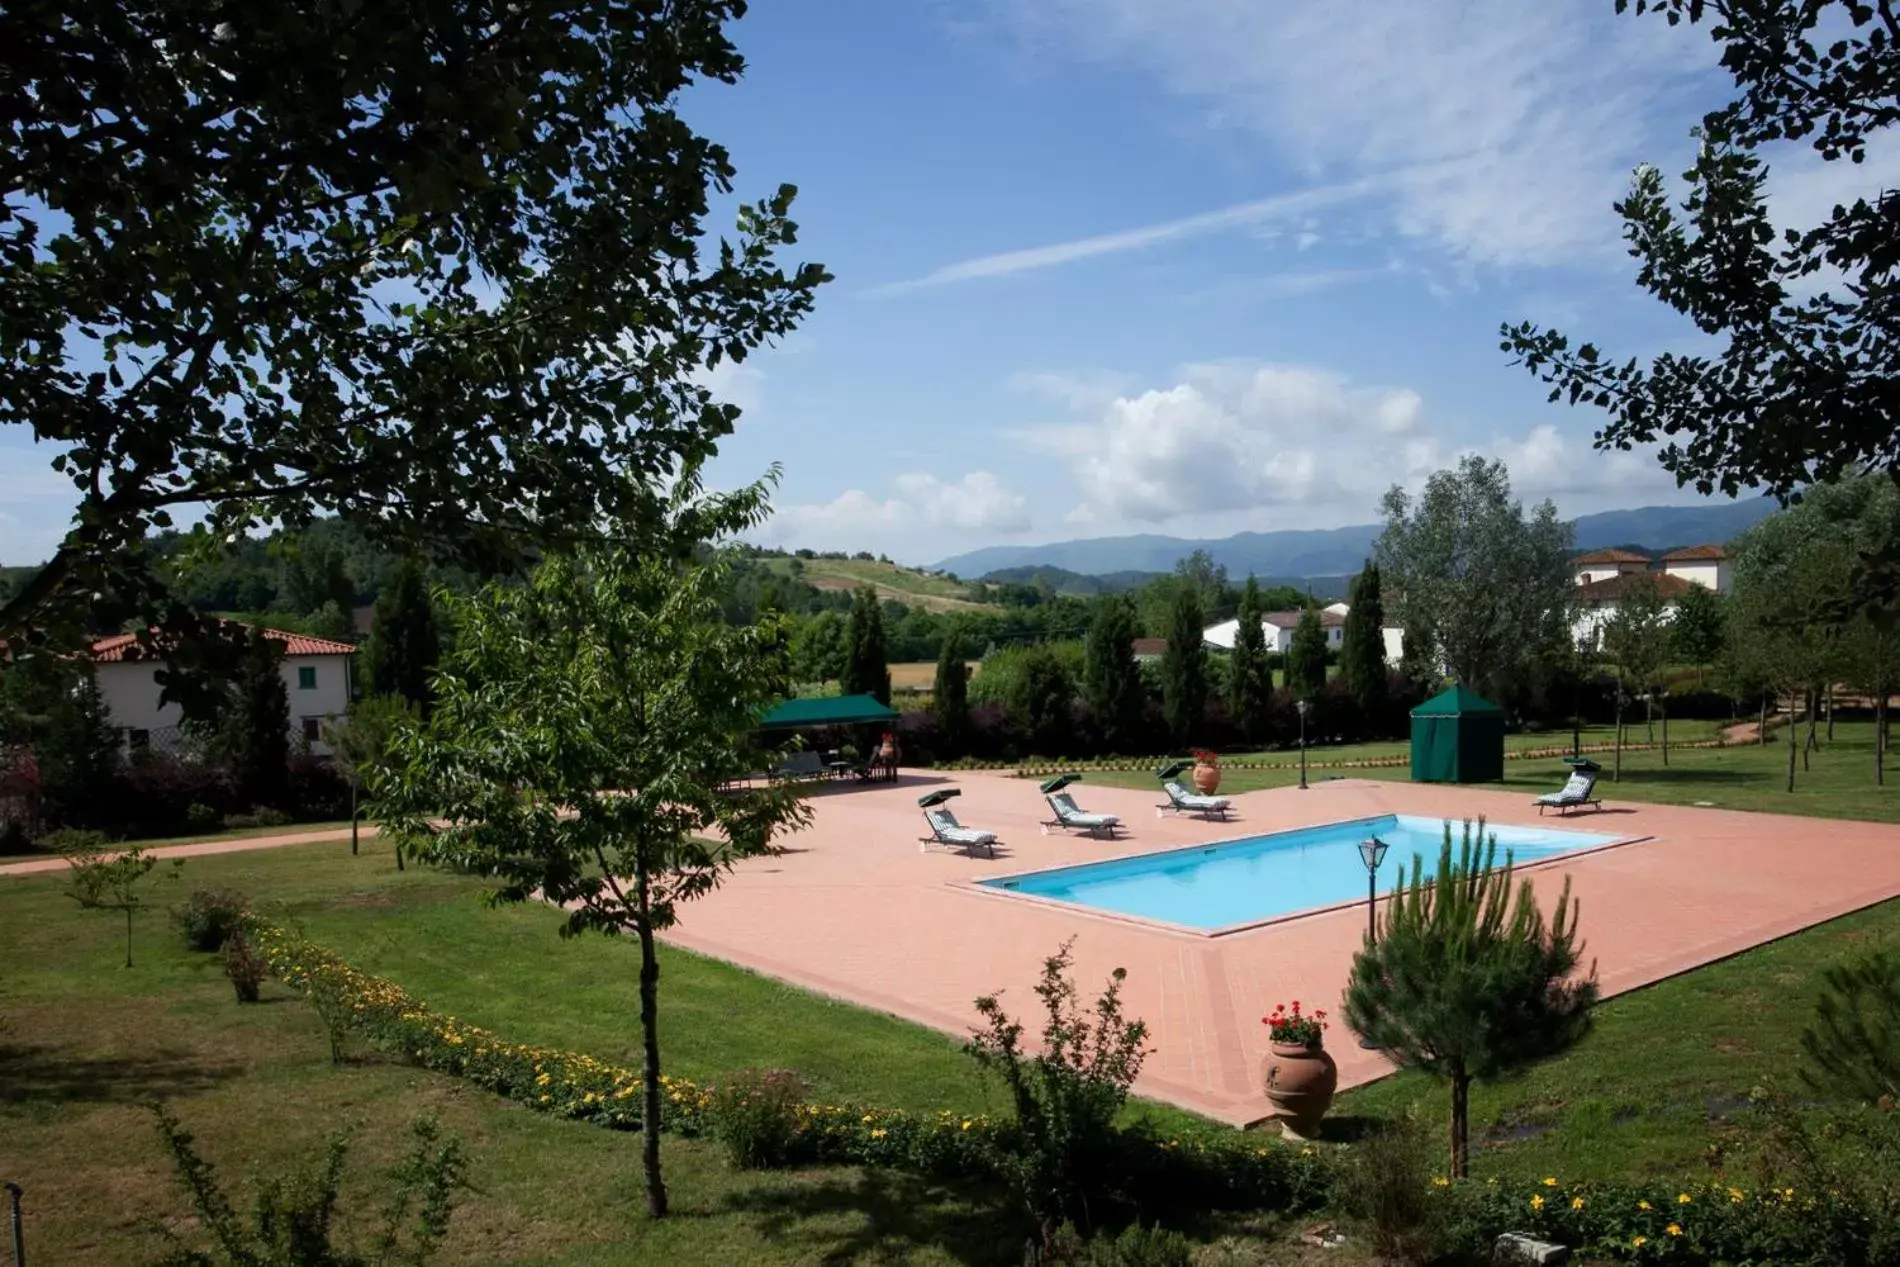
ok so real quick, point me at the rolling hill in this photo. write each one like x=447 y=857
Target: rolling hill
x=906 y=585
x=1305 y=554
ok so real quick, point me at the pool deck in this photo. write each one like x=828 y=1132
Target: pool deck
x=853 y=910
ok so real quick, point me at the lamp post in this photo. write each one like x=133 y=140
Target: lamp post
x=1301 y=706
x=1372 y=853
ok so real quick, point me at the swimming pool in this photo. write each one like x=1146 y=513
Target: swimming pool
x=1239 y=882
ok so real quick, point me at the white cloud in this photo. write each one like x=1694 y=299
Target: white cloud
x=734 y=383
x=1496 y=130
x=915 y=522
x=1234 y=445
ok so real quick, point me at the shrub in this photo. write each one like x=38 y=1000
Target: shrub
x=1853 y=1041
x=239 y=822
x=294 y=1214
x=209 y=917
x=200 y=817
x=75 y=841
x=1386 y=1182
x=1139 y=1246
x=756 y=1115
x=244 y=968
x=265 y=816
x=1066 y=1096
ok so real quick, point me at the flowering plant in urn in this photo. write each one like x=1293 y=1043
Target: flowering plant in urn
x=1295 y=1028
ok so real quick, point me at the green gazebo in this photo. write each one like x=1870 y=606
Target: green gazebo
x=1457 y=737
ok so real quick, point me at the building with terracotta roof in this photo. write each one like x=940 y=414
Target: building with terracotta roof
x=1601 y=565
x=1706 y=566
x=318 y=678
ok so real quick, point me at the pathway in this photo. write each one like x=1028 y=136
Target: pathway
x=39 y=866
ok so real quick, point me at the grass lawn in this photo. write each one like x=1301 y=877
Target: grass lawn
x=1840 y=783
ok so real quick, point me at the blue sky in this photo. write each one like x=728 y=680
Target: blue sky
x=1181 y=266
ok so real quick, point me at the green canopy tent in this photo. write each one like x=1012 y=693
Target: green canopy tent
x=1457 y=737
x=827 y=710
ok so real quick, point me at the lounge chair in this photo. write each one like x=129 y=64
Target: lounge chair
x=946 y=830
x=1581 y=789
x=800 y=766
x=1073 y=817
x=1182 y=801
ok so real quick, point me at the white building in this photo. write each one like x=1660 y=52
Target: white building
x=1277 y=630
x=1706 y=566
x=317 y=677
x=1605 y=576
x=1604 y=565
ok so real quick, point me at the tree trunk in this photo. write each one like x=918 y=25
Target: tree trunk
x=1793 y=739
x=128 y=935
x=1616 y=771
x=1880 y=739
x=352 y=816
x=1814 y=716
x=1649 y=717
x=650 y=1055
x=1761 y=727
x=1830 y=712
x=1460 y=1124
x=1664 y=710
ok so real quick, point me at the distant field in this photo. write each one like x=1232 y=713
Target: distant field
x=900 y=583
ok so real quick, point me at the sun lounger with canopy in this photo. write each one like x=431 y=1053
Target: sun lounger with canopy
x=946 y=830
x=1069 y=815
x=1182 y=801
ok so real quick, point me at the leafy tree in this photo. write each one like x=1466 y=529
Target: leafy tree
x=586 y=727
x=1636 y=638
x=1362 y=643
x=104 y=881
x=1466 y=984
x=950 y=694
x=332 y=622
x=435 y=261
x=818 y=648
x=1482 y=587
x=360 y=742
x=1184 y=667
x=78 y=750
x=1696 y=633
x=867 y=664
x=314 y=576
x=1111 y=680
x=1306 y=657
x=1853 y=1041
x=404 y=643
x=1249 y=680
x=248 y=725
x=1039 y=701
x=1208 y=578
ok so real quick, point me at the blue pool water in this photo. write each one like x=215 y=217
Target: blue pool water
x=1244 y=881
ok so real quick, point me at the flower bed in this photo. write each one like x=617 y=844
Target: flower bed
x=1215 y=1169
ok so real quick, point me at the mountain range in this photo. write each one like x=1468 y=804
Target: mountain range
x=1333 y=552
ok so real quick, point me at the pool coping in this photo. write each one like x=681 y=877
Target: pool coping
x=990 y=885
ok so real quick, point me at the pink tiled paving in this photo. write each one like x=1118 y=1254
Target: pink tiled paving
x=854 y=910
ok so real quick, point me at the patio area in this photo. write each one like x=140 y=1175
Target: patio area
x=853 y=910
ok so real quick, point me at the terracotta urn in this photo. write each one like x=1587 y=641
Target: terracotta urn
x=1206 y=778
x=1300 y=1082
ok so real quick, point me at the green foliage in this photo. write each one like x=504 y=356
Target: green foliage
x=1184 y=667
x=586 y=728
x=244 y=968
x=1067 y=1095
x=950 y=693
x=462 y=276
x=404 y=642
x=99 y=880
x=1134 y=1246
x=247 y=725
x=1466 y=984
x=1362 y=643
x=293 y=1215
x=77 y=750
x=818 y=648
x=1041 y=696
x=1697 y=635
x=1249 y=680
x=866 y=664
x=209 y=917
x=1385 y=1182
x=1853 y=1042
x=1111 y=680
x=1481 y=587
x=755 y=1114
x=1306 y=657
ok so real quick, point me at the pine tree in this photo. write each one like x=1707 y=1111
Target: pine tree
x=404 y=641
x=867 y=663
x=1465 y=984
x=1306 y=658
x=1249 y=680
x=950 y=695
x=1362 y=645
x=78 y=754
x=1111 y=680
x=1853 y=1041
x=1184 y=667
x=252 y=731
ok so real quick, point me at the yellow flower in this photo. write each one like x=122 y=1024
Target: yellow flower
x=867 y=1117
x=1550 y=1183
x=878 y=1132
x=1735 y=1196
x=966 y=1123
x=1537 y=1202
x=1639 y=1241
x=1441 y=1182
x=1642 y=1205
x=1576 y=1203
x=1683 y=1198
x=1673 y=1229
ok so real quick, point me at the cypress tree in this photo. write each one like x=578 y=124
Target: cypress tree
x=1039 y=702
x=252 y=730
x=78 y=754
x=950 y=695
x=1249 y=680
x=1362 y=645
x=1184 y=666
x=404 y=641
x=867 y=663
x=1111 y=679
x=1306 y=658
